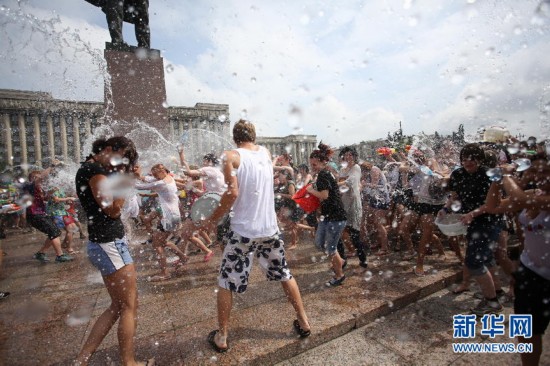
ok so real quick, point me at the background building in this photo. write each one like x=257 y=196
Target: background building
x=299 y=146
x=35 y=127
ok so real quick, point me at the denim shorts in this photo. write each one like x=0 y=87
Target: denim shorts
x=109 y=257
x=482 y=238
x=328 y=234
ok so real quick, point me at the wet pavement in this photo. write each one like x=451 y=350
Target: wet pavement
x=53 y=306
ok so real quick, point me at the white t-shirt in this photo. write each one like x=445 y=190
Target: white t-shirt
x=213 y=179
x=168 y=199
x=254 y=209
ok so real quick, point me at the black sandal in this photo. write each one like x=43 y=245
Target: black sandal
x=303 y=333
x=212 y=341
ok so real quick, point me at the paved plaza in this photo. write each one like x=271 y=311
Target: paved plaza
x=53 y=306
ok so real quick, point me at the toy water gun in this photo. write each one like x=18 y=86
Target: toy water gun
x=386 y=151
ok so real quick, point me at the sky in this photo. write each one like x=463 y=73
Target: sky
x=346 y=71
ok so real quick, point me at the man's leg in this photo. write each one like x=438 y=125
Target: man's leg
x=225 y=303
x=293 y=295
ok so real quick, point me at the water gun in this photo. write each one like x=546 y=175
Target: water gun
x=386 y=151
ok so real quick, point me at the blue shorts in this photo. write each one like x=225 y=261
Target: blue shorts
x=58 y=221
x=109 y=257
x=328 y=234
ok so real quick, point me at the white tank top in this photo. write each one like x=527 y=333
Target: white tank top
x=254 y=210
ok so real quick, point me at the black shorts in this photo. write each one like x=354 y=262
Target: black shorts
x=532 y=293
x=426 y=208
x=45 y=224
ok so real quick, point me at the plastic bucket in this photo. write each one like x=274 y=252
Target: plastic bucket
x=451 y=225
x=305 y=200
x=204 y=207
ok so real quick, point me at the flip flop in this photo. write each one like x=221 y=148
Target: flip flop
x=303 y=333
x=212 y=342
x=208 y=256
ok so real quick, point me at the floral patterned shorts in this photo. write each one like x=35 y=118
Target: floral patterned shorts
x=238 y=255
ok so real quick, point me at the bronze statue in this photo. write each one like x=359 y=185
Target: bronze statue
x=131 y=11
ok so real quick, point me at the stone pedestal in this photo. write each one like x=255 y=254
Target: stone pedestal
x=137 y=90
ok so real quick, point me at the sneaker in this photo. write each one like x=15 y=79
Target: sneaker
x=3 y=295
x=41 y=257
x=63 y=258
x=364 y=264
x=486 y=307
x=335 y=282
x=500 y=293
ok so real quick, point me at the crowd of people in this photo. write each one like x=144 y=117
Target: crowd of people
x=359 y=208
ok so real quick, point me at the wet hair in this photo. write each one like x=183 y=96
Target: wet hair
x=287 y=156
x=33 y=174
x=160 y=166
x=211 y=158
x=323 y=153
x=98 y=145
x=244 y=131
x=472 y=151
x=351 y=150
x=491 y=159
x=120 y=144
x=304 y=167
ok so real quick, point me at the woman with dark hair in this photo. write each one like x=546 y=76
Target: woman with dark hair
x=349 y=184
x=107 y=245
x=332 y=221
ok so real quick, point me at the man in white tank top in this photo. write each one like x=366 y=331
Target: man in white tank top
x=248 y=173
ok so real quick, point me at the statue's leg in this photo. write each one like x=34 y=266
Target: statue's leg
x=143 y=34
x=115 y=15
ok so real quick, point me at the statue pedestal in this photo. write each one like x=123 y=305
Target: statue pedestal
x=137 y=90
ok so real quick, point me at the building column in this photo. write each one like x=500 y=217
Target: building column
x=9 y=145
x=37 y=144
x=88 y=125
x=76 y=138
x=63 y=128
x=180 y=127
x=23 y=140
x=51 y=140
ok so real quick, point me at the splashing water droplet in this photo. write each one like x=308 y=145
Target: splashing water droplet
x=494 y=174
x=456 y=206
x=368 y=276
x=169 y=68
x=522 y=164
x=322 y=218
x=343 y=188
x=115 y=160
x=513 y=148
x=253 y=80
x=222 y=118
